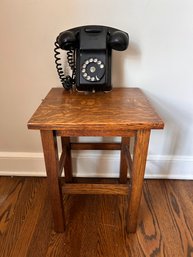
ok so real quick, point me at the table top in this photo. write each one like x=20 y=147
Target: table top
x=122 y=109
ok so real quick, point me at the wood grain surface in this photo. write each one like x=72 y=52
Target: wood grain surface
x=120 y=110
x=50 y=149
x=95 y=223
x=137 y=177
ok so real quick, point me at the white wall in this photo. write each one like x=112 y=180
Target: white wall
x=159 y=60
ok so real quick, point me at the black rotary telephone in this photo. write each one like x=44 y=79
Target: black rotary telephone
x=89 y=56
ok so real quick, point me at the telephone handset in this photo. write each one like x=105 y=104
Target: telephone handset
x=89 y=56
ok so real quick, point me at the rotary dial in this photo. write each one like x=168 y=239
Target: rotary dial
x=93 y=69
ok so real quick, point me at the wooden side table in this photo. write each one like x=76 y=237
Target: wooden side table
x=123 y=112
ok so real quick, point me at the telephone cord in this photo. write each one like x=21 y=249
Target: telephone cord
x=71 y=62
x=67 y=81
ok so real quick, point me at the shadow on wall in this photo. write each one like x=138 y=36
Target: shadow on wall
x=177 y=130
x=119 y=63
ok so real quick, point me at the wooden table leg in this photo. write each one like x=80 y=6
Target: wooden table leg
x=123 y=163
x=68 y=161
x=137 y=176
x=50 y=148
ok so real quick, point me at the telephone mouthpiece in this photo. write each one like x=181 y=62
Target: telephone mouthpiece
x=119 y=40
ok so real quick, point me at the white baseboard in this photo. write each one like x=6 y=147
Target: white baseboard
x=89 y=164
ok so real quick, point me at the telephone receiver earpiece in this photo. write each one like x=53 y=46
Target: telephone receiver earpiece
x=118 y=40
x=67 y=40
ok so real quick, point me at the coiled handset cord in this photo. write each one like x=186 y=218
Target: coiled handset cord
x=67 y=81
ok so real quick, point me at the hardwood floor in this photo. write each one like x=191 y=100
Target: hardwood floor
x=95 y=223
